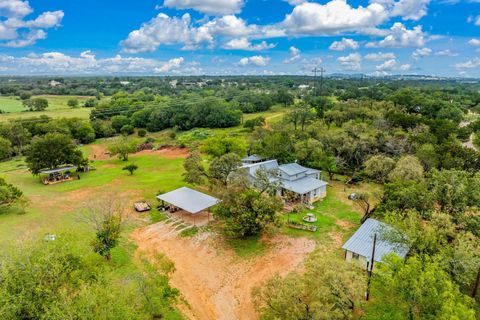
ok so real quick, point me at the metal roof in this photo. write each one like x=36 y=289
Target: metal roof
x=57 y=170
x=253 y=157
x=266 y=165
x=303 y=185
x=361 y=242
x=189 y=200
x=293 y=168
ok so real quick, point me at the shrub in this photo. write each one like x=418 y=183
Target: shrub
x=142 y=133
x=127 y=130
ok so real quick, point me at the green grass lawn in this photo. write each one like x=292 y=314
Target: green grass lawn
x=57 y=107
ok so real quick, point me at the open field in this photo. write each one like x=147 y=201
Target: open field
x=57 y=108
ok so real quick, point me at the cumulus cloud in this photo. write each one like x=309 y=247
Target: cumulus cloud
x=335 y=16
x=405 y=67
x=351 y=62
x=387 y=65
x=245 y=44
x=474 y=42
x=470 y=64
x=294 y=55
x=410 y=9
x=421 y=53
x=86 y=63
x=258 y=61
x=446 y=53
x=165 y=30
x=18 y=31
x=172 y=64
x=344 y=44
x=211 y=7
x=400 y=37
x=380 y=56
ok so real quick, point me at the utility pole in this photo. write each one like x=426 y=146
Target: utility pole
x=372 y=260
x=315 y=71
x=322 y=70
x=315 y=81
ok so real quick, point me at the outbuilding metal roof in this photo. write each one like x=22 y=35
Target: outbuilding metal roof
x=303 y=185
x=189 y=200
x=361 y=242
x=253 y=157
x=293 y=168
x=266 y=165
x=58 y=170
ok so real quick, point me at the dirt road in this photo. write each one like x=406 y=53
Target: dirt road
x=216 y=283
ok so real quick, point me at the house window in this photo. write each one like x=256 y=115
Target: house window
x=355 y=256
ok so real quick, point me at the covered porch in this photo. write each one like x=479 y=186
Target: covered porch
x=189 y=205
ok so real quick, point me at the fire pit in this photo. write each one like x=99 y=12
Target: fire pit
x=310 y=217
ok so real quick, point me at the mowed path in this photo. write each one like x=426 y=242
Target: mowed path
x=214 y=282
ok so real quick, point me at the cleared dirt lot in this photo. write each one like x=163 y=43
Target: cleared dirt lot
x=216 y=283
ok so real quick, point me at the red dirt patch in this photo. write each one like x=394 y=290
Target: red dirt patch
x=167 y=152
x=216 y=283
x=99 y=152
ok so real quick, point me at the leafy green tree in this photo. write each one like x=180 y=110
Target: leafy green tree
x=451 y=190
x=416 y=289
x=73 y=103
x=301 y=115
x=429 y=157
x=25 y=95
x=222 y=167
x=9 y=194
x=284 y=97
x=408 y=168
x=90 y=103
x=330 y=288
x=403 y=195
x=106 y=217
x=248 y=213
x=220 y=145
x=194 y=169
x=52 y=151
x=130 y=168
x=119 y=121
x=127 y=130
x=122 y=147
x=142 y=133
x=36 y=104
x=379 y=167
x=255 y=122
x=5 y=148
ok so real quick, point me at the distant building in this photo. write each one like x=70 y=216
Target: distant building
x=360 y=246
x=297 y=183
x=54 y=83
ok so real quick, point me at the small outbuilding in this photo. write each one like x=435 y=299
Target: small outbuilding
x=191 y=201
x=360 y=246
x=57 y=175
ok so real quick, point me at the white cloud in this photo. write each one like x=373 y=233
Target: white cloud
x=387 y=65
x=294 y=55
x=351 y=62
x=477 y=21
x=165 y=30
x=410 y=9
x=334 y=17
x=245 y=44
x=470 y=64
x=18 y=31
x=86 y=63
x=344 y=44
x=258 y=61
x=474 y=42
x=405 y=67
x=211 y=7
x=380 y=56
x=170 y=65
x=295 y=2
x=400 y=37
x=446 y=53
x=421 y=53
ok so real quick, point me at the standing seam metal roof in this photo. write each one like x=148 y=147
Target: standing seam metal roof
x=361 y=242
x=189 y=200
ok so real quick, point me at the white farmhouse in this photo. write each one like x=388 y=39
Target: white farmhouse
x=301 y=183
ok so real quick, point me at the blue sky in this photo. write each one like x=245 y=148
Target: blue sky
x=217 y=37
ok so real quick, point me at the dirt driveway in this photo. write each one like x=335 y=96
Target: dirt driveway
x=215 y=283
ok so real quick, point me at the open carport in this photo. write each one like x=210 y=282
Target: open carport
x=193 y=203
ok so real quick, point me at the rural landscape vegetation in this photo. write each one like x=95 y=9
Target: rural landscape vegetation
x=231 y=159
